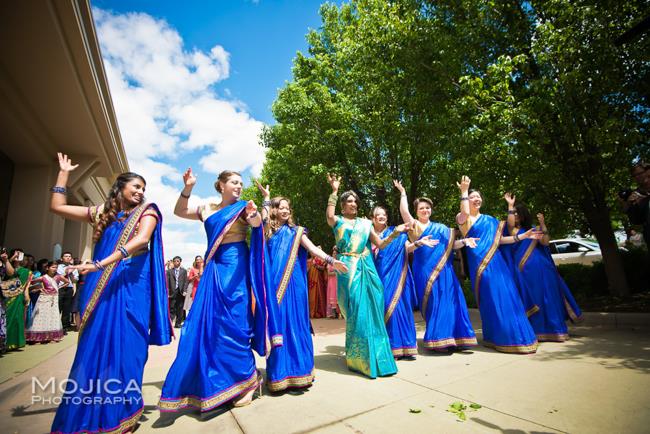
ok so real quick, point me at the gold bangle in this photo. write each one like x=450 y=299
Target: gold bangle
x=332 y=199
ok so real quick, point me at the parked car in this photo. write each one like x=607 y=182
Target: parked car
x=575 y=251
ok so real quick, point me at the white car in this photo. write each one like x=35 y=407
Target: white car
x=575 y=251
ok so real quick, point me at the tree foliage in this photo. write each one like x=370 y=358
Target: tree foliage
x=531 y=97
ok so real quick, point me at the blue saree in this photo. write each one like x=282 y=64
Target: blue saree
x=292 y=364
x=399 y=294
x=440 y=296
x=540 y=282
x=229 y=318
x=123 y=310
x=505 y=325
x=361 y=300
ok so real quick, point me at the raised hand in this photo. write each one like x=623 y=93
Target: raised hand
x=334 y=181
x=65 y=163
x=189 y=178
x=251 y=209
x=463 y=185
x=266 y=192
x=398 y=185
x=427 y=241
x=532 y=234
x=510 y=198
x=340 y=266
x=471 y=242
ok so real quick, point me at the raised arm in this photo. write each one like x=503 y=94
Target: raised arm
x=58 y=202
x=377 y=241
x=403 y=202
x=334 y=181
x=182 y=208
x=315 y=251
x=510 y=199
x=463 y=186
x=266 y=205
x=542 y=226
x=138 y=242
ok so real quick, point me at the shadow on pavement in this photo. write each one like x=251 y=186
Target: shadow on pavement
x=506 y=431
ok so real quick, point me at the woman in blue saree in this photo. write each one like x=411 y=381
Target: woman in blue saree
x=292 y=364
x=230 y=312
x=360 y=291
x=440 y=296
x=399 y=293
x=123 y=307
x=503 y=316
x=538 y=278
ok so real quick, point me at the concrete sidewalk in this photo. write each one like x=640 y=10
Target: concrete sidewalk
x=597 y=382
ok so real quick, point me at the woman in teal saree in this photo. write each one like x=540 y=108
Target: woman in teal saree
x=360 y=291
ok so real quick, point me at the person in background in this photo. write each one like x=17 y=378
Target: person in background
x=16 y=299
x=6 y=271
x=66 y=293
x=176 y=284
x=46 y=323
x=332 y=305
x=636 y=203
x=193 y=277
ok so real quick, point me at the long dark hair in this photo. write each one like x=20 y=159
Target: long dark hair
x=113 y=204
x=525 y=219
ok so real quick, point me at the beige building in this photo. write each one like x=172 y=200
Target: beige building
x=54 y=97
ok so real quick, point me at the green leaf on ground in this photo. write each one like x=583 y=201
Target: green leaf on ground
x=475 y=406
x=415 y=410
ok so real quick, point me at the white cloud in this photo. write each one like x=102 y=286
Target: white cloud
x=165 y=103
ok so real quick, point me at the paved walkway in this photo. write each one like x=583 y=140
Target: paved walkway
x=598 y=382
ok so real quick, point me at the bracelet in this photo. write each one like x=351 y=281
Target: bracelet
x=329 y=260
x=332 y=199
x=253 y=215
x=123 y=251
x=512 y=212
x=57 y=189
x=464 y=241
x=516 y=237
x=266 y=203
x=464 y=198
x=98 y=265
x=186 y=196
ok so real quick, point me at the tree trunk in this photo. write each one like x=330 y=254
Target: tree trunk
x=598 y=216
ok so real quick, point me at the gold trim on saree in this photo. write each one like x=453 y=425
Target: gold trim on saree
x=436 y=271
x=486 y=260
x=405 y=351
x=574 y=317
x=288 y=268
x=513 y=349
x=398 y=291
x=288 y=382
x=526 y=256
x=450 y=342
x=533 y=310
x=126 y=424
x=552 y=337
x=126 y=234
x=219 y=239
x=205 y=404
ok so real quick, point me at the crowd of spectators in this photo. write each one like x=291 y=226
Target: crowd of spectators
x=39 y=299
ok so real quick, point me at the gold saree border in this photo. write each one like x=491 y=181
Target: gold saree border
x=527 y=254
x=289 y=382
x=405 y=351
x=125 y=236
x=288 y=268
x=205 y=404
x=513 y=349
x=450 y=342
x=488 y=257
x=436 y=271
x=398 y=291
x=552 y=337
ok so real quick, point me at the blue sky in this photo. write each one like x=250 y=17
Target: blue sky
x=192 y=85
x=262 y=37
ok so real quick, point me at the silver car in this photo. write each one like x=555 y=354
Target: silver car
x=575 y=251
